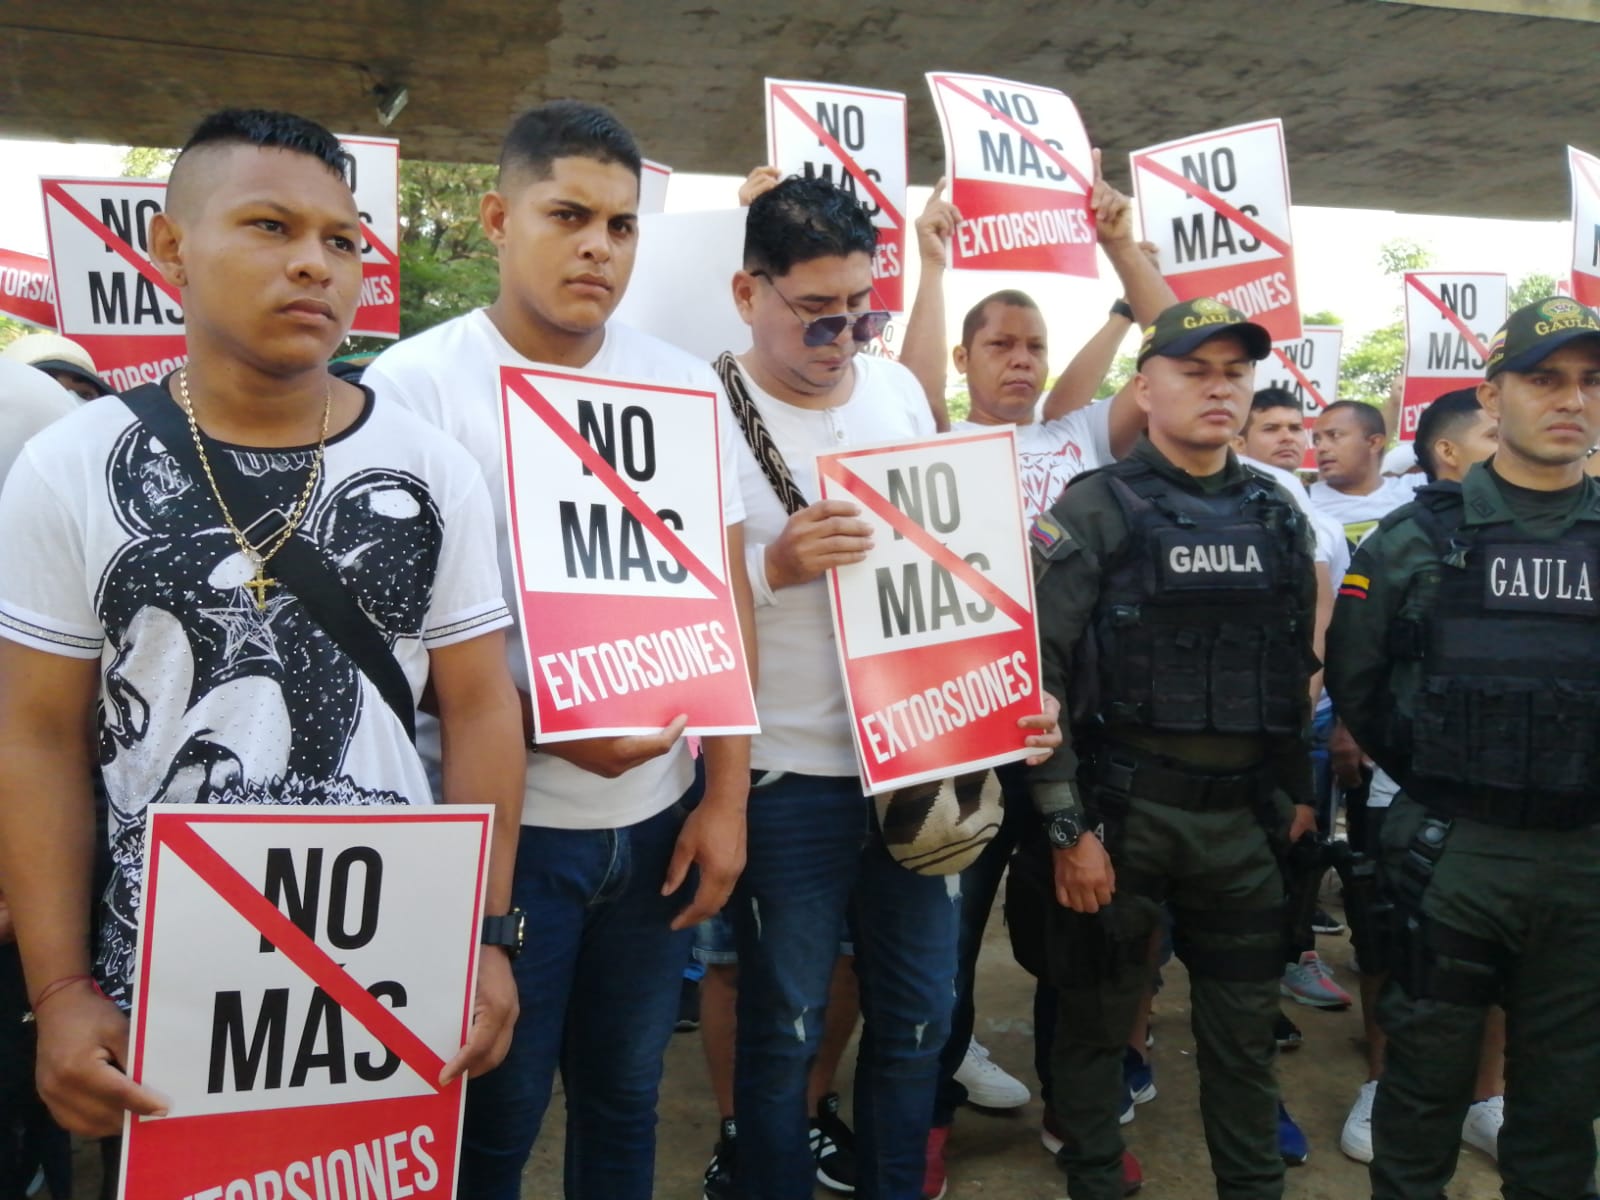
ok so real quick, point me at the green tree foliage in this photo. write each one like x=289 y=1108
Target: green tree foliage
x=147 y=162
x=1367 y=368
x=1529 y=288
x=1122 y=369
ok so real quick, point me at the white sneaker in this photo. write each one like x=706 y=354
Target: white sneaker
x=1356 y=1140
x=1481 y=1129
x=988 y=1086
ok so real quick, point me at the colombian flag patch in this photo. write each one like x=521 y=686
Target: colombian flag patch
x=1355 y=585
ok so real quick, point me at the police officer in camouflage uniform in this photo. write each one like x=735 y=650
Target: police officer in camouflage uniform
x=1176 y=599
x=1465 y=654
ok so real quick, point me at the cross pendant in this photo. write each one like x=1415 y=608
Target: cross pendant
x=259 y=586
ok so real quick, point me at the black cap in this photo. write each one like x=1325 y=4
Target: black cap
x=1181 y=328
x=1536 y=331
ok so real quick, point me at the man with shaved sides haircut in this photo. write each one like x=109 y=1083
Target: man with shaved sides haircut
x=157 y=589
x=620 y=854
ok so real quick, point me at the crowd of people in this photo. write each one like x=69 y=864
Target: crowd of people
x=1249 y=683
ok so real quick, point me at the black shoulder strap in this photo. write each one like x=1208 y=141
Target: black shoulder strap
x=758 y=437
x=299 y=565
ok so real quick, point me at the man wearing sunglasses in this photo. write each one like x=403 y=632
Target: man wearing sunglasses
x=803 y=387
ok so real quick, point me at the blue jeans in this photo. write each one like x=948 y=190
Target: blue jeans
x=814 y=855
x=979 y=883
x=598 y=981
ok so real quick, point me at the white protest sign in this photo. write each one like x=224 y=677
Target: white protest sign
x=1451 y=316
x=1307 y=367
x=855 y=137
x=1585 y=170
x=688 y=254
x=653 y=180
x=1217 y=206
x=1020 y=170
x=632 y=620
x=936 y=629
x=375 y=179
x=297 y=994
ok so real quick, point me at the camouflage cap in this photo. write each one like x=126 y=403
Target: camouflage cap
x=1536 y=331
x=1179 y=329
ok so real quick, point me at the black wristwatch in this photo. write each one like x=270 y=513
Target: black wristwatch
x=1122 y=309
x=505 y=932
x=1063 y=829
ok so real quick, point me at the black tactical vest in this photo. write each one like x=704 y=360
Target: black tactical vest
x=1506 y=719
x=1195 y=630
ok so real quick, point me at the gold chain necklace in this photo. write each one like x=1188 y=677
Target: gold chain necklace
x=258 y=555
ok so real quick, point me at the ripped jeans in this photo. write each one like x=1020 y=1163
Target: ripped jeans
x=814 y=854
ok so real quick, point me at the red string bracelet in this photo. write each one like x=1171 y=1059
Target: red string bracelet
x=59 y=985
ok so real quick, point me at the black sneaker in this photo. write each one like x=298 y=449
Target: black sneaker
x=688 y=1007
x=1326 y=923
x=1287 y=1033
x=833 y=1147
x=719 y=1171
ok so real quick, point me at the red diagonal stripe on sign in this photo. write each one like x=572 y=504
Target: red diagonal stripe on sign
x=843 y=155
x=1449 y=315
x=617 y=486
x=377 y=244
x=1242 y=219
x=291 y=941
x=925 y=541
x=1039 y=144
x=54 y=189
x=1300 y=376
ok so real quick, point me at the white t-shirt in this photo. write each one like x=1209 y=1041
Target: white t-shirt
x=1332 y=548
x=805 y=725
x=113 y=552
x=1051 y=453
x=450 y=376
x=1359 y=514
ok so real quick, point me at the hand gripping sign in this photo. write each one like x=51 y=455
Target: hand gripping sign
x=26 y=291
x=1585 y=170
x=375 y=179
x=304 y=974
x=854 y=137
x=1450 y=319
x=617 y=537
x=936 y=629
x=1307 y=367
x=1217 y=205
x=1020 y=171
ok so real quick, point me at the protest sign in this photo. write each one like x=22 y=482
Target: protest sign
x=653 y=180
x=297 y=995
x=632 y=621
x=936 y=630
x=1585 y=170
x=26 y=291
x=855 y=137
x=375 y=179
x=1451 y=316
x=1217 y=206
x=110 y=298
x=1020 y=170
x=1306 y=366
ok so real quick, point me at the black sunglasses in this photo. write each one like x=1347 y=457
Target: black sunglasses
x=819 y=331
